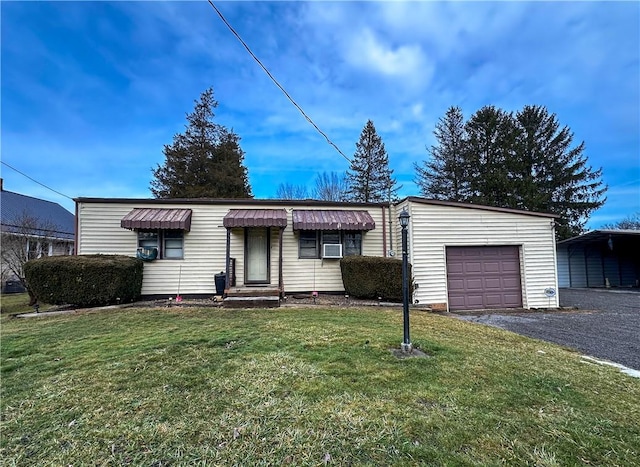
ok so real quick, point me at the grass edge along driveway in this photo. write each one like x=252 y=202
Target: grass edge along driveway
x=305 y=386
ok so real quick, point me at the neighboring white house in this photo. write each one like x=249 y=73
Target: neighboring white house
x=463 y=256
x=32 y=228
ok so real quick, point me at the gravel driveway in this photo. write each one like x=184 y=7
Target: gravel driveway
x=606 y=325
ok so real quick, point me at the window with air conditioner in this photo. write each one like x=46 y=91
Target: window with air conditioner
x=167 y=244
x=332 y=250
x=319 y=244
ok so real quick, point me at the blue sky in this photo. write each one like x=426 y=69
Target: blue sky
x=91 y=91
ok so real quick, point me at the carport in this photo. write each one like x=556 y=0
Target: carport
x=601 y=258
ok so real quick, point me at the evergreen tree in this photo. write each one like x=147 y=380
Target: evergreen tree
x=522 y=161
x=489 y=157
x=369 y=177
x=555 y=177
x=444 y=175
x=204 y=161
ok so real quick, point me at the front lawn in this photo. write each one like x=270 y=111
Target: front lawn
x=16 y=303
x=305 y=386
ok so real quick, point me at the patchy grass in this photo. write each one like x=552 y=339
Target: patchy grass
x=304 y=387
x=16 y=303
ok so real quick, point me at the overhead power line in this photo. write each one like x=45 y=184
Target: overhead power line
x=233 y=31
x=36 y=181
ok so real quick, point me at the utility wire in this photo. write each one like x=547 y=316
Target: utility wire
x=276 y=81
x=36 y=181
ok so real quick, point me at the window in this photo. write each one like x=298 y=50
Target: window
x=311 y=242
x=172 y=244
x=148 y=240
x=330 y=236
x=39 y=248
x=169 y=243
x=352 y=243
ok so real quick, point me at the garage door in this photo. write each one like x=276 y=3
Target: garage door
x=480 y=277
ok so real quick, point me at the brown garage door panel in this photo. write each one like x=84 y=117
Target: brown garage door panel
x=511 y=282
x=471 y=267
x=484 y=277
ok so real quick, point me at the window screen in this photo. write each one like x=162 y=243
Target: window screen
x=309 y=244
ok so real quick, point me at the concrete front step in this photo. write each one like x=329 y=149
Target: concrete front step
x=253 y=292
x=251 y=302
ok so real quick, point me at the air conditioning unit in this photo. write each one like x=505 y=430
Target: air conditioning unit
x=332 y=250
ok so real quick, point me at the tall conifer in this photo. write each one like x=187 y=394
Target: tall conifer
x=204 y=161
x=369 y=177
x=524 y=161
x=444 y=175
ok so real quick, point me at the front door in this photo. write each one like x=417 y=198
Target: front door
x=256 y=264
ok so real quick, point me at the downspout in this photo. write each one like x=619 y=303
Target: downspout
x=555 y=264
x=384 y=234
x=280 y=279
x=390 y=226
x=227 y=261
x=75 y=231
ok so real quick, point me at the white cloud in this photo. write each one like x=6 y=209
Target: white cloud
x=416 y=110
x=369 y=51
x=401 y=64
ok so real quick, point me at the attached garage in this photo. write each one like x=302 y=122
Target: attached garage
x=467 y=256
x=483 y=277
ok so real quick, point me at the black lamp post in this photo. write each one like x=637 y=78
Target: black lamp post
x=404 y=223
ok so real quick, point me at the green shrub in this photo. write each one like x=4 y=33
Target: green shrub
x=85 y=280
x=373 y=277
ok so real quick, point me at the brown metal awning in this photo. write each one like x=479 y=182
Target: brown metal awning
x=153 y=218
x=255 y=218
x=332 y=220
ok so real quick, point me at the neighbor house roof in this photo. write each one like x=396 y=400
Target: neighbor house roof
x=50 y=218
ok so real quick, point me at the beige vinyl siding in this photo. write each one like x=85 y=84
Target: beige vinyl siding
x=324 y=275
x=434 y=227
x=205 y=248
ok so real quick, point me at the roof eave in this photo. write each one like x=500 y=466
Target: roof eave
x=458 y=204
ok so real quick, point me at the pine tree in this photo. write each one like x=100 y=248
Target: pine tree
x=369 y=177
x=444 y=175
x=555 y=176
x=489 y=157
x=204 y=161
x=522 y=161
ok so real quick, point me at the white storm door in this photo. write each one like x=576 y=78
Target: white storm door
x=257 y=255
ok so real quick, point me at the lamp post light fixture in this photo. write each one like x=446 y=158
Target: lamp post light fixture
x=404 y=223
